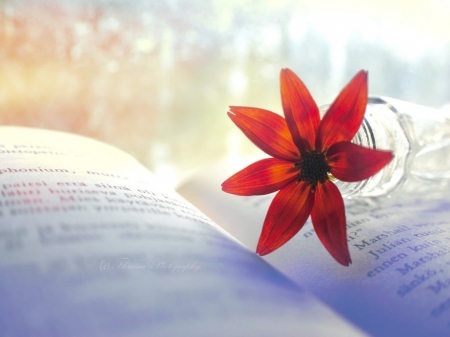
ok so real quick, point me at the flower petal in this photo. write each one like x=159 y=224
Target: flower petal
x=351 y=162
x=267 y=130
x=328 y=218
x=262 y=177
x=300 y=110
x=345 y=115
x=287 y=214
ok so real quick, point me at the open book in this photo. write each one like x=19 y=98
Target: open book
x=93 y=245
x=399 y=281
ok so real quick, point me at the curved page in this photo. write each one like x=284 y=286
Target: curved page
x=399 y=282
x=91 y=245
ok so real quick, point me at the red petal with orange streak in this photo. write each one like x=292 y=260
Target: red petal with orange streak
x=328 y=218
x=287 y=214
x=300 y=110
x=351 y=162
x=262 y=177
x=345 y=115
x=267 y=130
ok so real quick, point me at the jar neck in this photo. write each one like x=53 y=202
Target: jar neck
x=381 y=129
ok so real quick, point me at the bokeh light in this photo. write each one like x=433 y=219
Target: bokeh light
x=155 y=78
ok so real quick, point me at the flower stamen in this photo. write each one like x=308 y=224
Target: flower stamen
x=314 y=168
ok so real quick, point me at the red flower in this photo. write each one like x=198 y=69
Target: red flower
x=307 y=153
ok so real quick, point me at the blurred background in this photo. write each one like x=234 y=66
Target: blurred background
x=155 y=78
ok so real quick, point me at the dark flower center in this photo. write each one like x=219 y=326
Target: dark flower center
x=313 y=168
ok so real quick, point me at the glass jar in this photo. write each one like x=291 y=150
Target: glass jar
x=420 y=140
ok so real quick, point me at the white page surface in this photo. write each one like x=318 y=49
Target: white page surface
x=91 y=245
x=398 y=284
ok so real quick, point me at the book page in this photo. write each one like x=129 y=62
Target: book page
x=399 y=282
x=91 y=245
